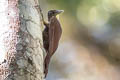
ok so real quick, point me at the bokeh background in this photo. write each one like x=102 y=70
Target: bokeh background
x=90 y=45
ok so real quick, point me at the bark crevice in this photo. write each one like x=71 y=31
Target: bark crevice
x=24 y=47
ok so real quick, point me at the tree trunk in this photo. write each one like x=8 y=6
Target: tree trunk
x=21 y=47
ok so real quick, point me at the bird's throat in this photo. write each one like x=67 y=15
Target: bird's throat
x=58 y=17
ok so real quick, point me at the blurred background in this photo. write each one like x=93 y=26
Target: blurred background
x=90 y=45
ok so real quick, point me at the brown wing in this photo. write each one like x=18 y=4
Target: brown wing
x=55 y=32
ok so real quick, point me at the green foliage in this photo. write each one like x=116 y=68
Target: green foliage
x=114 y=20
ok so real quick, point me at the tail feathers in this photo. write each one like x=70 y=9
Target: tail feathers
x=46 y=64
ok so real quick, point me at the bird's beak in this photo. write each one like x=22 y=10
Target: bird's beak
x=59 y=11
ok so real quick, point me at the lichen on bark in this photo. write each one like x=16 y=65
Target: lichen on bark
x=24 y=47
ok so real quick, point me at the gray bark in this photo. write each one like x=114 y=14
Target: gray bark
x=20 y=41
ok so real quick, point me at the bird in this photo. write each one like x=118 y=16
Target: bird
x=51 y=36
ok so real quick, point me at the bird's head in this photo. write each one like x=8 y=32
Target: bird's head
x=52 y=13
